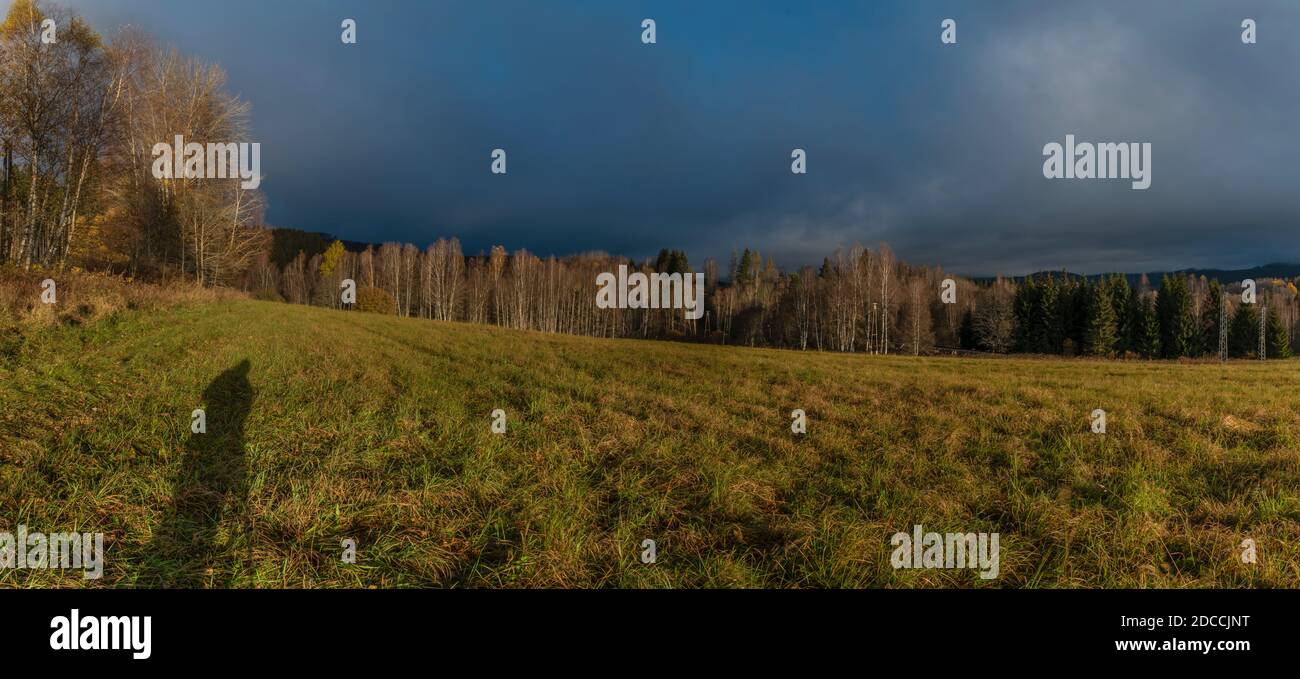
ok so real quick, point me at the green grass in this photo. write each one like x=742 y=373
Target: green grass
x=377 y=429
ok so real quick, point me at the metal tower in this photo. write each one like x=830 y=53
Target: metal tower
x=1223 y=328
x=1263 y=313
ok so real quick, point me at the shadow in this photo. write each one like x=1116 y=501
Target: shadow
x=210 y=488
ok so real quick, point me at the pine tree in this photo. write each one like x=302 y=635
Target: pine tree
x=1025 y=309
x=1066 y=306
x=1148 y=329
x=1275 y=335
x=1185 y=331
x=1120 y=293
x=1210 y=313
x=743 y=273
x=662 y=261
x=1078 y=302
x=1177 y=327
x=677 y=262
x=1048 y=335
x=1243 y=337
x=966 y=332
x=1135 y=312
x=1100 y=339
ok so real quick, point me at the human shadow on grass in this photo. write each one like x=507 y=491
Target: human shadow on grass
x=210 y=488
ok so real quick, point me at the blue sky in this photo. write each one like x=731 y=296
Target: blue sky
x=623 y=147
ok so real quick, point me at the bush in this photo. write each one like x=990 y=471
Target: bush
x=87 y=297
x=376 y=300
x=268 y=295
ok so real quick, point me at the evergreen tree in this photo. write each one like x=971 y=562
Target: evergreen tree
x=1102 y=331
x=661 y=262
x=1243 y=335
x=1185 y=331
x=1278 y=344
x=1177 y=327
x=1148 y=329
x=1210 y=313
x=1162 y=304
x=1119 y=292
x=1025 y=309
x=966 y=332
x=1135 y=312
x=677 y=262
x=743 y=272
x=1047 y=331
x=1081 y=292
x=1071 y=322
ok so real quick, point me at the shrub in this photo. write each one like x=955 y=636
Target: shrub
x=268 y=295
x=376 y=300
x=86 y=297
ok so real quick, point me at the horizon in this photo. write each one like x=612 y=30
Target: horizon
x=357 y=246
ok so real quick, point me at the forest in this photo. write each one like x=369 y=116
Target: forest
x=858 y=300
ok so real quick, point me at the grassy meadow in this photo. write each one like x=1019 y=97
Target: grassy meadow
x=325 y=425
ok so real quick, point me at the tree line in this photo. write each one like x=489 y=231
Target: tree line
x=1182 y=318
x=858 y=300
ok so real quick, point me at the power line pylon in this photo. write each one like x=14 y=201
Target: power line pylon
x=1263 y=313
x=1223 y=328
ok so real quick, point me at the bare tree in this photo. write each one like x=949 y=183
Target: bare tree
x=994 y=317
x=58 y=105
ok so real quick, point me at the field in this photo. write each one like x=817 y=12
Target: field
x=325 y=425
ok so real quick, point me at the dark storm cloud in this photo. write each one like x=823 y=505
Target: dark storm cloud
x=618 y=146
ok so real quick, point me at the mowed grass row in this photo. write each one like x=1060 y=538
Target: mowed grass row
x=376 y=429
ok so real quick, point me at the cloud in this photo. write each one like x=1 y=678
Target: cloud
x=623 y=147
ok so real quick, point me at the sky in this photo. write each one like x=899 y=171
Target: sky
x=617 y=146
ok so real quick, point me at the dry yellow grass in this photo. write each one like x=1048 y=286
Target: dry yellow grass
x=374 y=428
x=83 y=297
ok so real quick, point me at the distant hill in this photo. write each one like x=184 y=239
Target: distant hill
x=1225 y=276
x=1276 y=270
x=285 y=244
